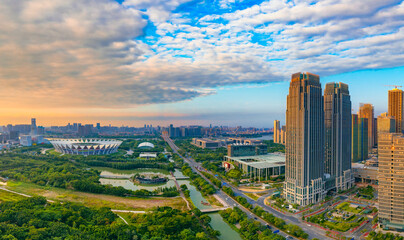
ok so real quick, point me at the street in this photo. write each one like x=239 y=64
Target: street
x=313 y=232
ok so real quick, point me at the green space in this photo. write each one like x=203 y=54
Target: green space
x=96 y=200
x=292 y=229
x=8 y=196
x=201 y=184
x=383 y=236
x=274 y=147
x=342 y=218
x=34 y=218
x=248 y=229
x=68 y=173
x=366 y=192
x=345 y=206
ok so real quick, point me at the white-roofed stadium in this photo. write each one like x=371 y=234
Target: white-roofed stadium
x=86 y=146
x=146 y=145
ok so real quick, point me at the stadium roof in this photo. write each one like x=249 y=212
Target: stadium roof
x=146 y=145
x=262 y=161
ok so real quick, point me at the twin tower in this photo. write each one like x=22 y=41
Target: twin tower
x=318 y=139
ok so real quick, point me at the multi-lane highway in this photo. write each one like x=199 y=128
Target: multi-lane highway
x=196 y=167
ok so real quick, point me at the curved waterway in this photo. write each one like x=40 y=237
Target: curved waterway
x=121 y=178
x=217 y=223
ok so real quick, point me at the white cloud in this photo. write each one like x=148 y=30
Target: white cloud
x=158 y=10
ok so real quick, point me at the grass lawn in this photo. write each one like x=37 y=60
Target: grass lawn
x=252 y=195
x=8 y=196
x=213 y=201
x=53 y=152
x=96 y=200
x=345 y=206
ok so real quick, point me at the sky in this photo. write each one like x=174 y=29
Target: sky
x=219 y=62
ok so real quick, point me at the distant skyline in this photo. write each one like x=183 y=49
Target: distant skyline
x=219 y=62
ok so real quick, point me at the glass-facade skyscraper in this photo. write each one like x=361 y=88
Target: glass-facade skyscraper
x=304 y=177
x=338 y=130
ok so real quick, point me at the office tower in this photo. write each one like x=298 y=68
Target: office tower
x=33 y=126
x=98 y=126
x=366 y=111
x=396 y=108
x=338 y=130
x=375 y=131
x=386 y=124
x=171 y=131
x=276 y=131
x=391 y=180
x=304 y=182
x=359 y=138
x=283 y=135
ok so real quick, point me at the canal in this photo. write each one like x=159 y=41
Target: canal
x=122 y=178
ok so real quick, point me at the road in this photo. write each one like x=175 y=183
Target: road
x=196 y=167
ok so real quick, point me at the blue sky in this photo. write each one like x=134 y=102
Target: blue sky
x=225 y=62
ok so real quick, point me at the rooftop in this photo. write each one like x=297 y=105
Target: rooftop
x=262 y=161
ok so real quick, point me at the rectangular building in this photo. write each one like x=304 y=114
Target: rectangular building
x=338 y=130
x=359 y=138
x=277 y=134
x=366 y=111
x=396 y=108
x=260 y=167
x=391 y=180
x=239 y=149
x=304 y=174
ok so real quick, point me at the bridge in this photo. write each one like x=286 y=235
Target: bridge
x=210 y=210
x=182 y=178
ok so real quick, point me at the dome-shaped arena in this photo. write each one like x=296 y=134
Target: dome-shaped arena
x=86 y=146
x=146 y=145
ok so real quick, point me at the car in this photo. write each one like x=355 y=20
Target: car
x=269 y=227
x=289 y=238
x=276 y=231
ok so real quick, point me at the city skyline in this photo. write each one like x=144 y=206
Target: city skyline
x=124 y=62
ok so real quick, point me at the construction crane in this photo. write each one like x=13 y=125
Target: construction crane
x=396 y=86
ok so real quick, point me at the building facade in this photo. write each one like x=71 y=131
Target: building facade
x=277 y=134
x=396 y=108
x=391 y=180
x=366 y=111
x=359 y=138
x=304 y=173
x=338 y=130
x=386 y=124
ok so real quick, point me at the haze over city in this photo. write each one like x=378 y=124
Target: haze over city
x=222 y=62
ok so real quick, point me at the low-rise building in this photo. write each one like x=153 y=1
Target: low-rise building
x=258 y=166
x=365 y=174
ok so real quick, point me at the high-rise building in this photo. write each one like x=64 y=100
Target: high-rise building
x=396 y=108
x=359 y=138
x=386 y=124
x=33 y=126
x=283 y=135
x=277 y=134
x=338 y=130
x=391 y=180
x=366 y=111
x=304 y=177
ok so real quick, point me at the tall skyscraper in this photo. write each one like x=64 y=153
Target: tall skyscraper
x=366 y=111
x=304 y=183
x=33 y=126
x=338 y=130
x=391 y=180
x=283 y=135
x=277 y=134
x=386 y=124
x=359 y=138
x=396 y=108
